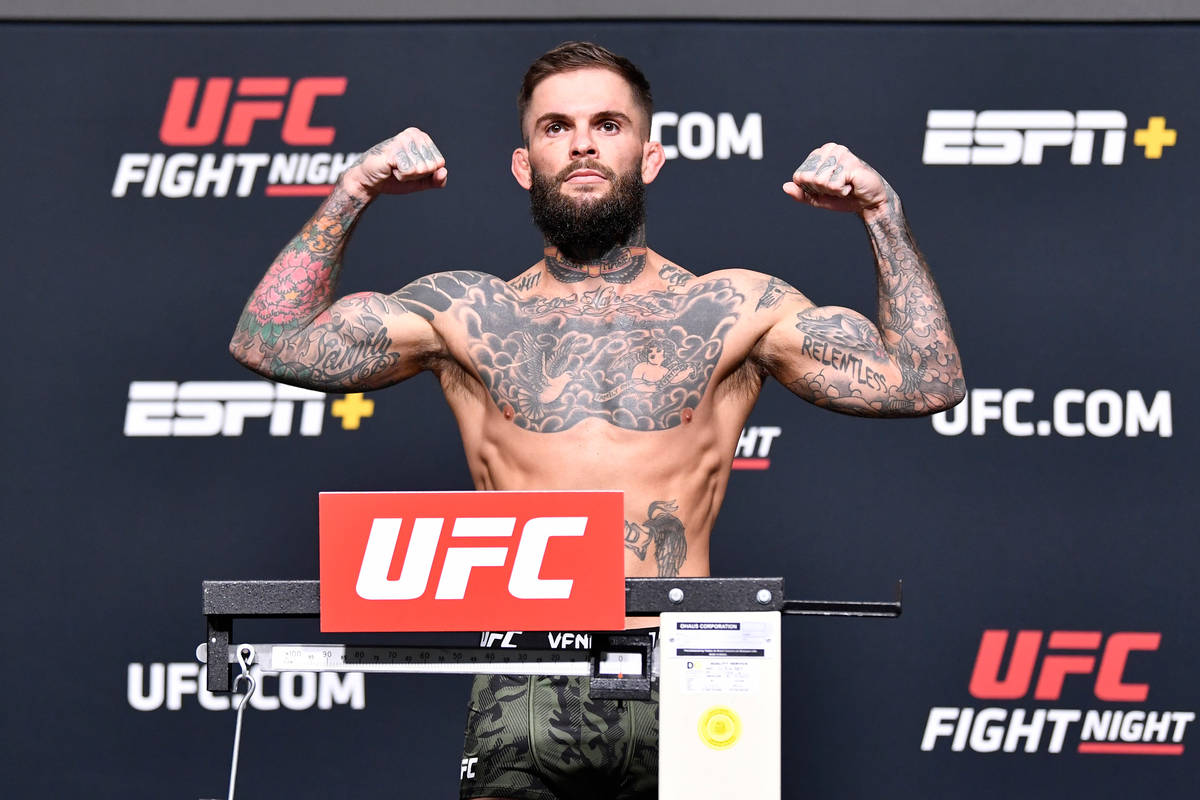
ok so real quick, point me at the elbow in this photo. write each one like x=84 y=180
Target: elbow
x=951 y=395
x=249 y=358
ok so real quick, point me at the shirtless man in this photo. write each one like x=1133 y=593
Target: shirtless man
x=540 y=370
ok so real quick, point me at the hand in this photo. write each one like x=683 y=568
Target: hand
x=408 y=162
x=834 y=178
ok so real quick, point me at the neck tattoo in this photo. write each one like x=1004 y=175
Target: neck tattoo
x=619 y=265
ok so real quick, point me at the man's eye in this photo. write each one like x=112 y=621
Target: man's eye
x=608 y=126
x=554 y=127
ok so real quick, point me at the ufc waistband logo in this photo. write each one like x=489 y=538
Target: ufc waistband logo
x=274 y=98
x=1110 y=686
x=523 y=582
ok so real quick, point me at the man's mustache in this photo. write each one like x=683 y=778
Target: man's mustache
x=586 y=163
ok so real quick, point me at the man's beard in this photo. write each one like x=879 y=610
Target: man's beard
x=584 y=229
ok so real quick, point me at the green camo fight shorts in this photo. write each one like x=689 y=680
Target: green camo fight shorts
x=544 y=738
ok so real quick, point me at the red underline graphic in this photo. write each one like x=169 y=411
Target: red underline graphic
x=300 y=190
x=751 y=463
x=1118 y=748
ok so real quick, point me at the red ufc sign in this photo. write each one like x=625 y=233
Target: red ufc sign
x=1074 y=653
x=470 y=561
x=273 y=98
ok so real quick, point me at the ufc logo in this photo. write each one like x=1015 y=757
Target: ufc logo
x=524 y=581
x=1082 y=647
x=294 y=104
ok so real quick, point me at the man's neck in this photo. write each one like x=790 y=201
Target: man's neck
x=620 y=264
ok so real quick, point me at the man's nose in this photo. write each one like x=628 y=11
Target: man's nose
x=582 y=143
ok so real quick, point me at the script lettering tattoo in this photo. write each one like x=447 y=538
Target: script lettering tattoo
x=913 y=334
x=665 y=532
x=674 y=276
x=775 y=292
x=634 y=361
x=348 y=346
x=526 y=282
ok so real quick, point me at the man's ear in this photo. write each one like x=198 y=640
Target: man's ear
x=653 y=158
x=520 y=168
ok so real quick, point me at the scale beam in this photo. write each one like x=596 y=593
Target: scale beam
x=225 y=601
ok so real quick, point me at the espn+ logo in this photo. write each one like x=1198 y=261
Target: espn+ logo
x=524 y=580
x=1005 y=138
x=1068 y=656
x=221 y=110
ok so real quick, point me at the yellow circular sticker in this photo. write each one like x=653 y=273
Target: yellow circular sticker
x=720 y=727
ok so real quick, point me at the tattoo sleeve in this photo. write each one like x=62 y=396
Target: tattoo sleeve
x=292 y=331
x=909 y=364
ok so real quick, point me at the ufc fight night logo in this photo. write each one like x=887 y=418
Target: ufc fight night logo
x=447 y=561
x=1004 y=670
x=231 y=113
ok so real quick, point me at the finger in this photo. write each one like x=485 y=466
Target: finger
x=437 y=153
x=421 y=154
x=430 y=153
x=810 y=164
x=401 y=159
x=826 y=167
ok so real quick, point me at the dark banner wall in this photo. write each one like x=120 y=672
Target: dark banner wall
x=1048 y=174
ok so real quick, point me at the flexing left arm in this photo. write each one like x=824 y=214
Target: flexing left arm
x=905 y=364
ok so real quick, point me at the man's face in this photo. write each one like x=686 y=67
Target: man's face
x=584 y=114
x=587 y=160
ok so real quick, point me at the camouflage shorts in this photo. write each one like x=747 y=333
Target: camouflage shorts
x=544 y=738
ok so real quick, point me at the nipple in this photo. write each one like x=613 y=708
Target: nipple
x=508 y=412
x=687 y=415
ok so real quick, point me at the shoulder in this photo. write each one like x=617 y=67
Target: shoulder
x=764 y=292
x=436 y=292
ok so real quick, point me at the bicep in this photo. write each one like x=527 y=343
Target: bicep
x=835 y=358
x=363 y=341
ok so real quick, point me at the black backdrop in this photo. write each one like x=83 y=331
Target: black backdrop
x=1058 y=276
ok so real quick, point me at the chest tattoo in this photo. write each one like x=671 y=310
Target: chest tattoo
x=635 y=361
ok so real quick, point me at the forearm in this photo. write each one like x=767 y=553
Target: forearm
x=911 y=316
x=301 y=283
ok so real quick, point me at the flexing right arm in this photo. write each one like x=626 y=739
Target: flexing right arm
x=292 y=331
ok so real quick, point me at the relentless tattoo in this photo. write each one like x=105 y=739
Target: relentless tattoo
x=665 y=531
x=674 y=276
x=775 y=292
x=634 y=361
x=913 y=337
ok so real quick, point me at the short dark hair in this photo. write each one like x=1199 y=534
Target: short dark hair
x=570 y=56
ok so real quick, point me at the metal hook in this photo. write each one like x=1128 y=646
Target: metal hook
x=245 y=657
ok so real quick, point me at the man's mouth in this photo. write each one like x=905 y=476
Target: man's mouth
x=585 y=173
x=586 y=176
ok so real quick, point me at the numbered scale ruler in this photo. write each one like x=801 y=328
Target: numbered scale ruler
x=450 y=660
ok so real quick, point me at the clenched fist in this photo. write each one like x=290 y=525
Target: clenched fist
x=408 y=162
x=834 y=178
